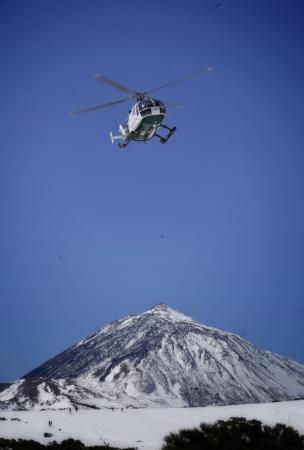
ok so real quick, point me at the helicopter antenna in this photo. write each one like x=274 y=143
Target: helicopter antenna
x=193 y=74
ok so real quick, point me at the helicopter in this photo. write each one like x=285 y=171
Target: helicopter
x=146 y=116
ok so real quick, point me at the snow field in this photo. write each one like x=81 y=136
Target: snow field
x=141 y=428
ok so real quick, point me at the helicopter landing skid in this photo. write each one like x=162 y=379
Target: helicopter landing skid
x=123 y=144
x=164 y=139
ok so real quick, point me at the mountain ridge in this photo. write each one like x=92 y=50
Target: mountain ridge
x=159 y=358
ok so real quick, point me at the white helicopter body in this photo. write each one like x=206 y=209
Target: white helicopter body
x=145 y=117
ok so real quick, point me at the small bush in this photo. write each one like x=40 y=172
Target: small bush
x=68 y=444
x=236 y=434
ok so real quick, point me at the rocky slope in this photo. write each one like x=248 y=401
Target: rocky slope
x=158 y=358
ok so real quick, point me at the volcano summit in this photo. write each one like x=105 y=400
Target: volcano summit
x=160 y=358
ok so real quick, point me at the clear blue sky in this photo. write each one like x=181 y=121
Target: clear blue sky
x=211 y=223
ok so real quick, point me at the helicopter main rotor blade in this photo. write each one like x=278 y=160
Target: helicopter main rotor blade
x=104 y=105
x=120 y=87
x=193 y=74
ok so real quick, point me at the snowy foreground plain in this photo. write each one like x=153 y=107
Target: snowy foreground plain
x=141 y=428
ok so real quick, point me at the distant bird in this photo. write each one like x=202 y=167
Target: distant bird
x=162 y=236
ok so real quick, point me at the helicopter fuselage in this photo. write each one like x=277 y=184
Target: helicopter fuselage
x=144 y=119
x=146 y=116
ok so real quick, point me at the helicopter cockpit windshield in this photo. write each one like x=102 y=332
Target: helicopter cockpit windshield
x=151 y=106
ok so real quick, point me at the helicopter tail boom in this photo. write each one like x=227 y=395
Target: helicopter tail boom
x=123 y=135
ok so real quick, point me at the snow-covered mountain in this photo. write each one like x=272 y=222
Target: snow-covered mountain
x=158 y=358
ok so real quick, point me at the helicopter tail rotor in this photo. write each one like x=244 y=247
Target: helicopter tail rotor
x=114 y=138
x=122 y=136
